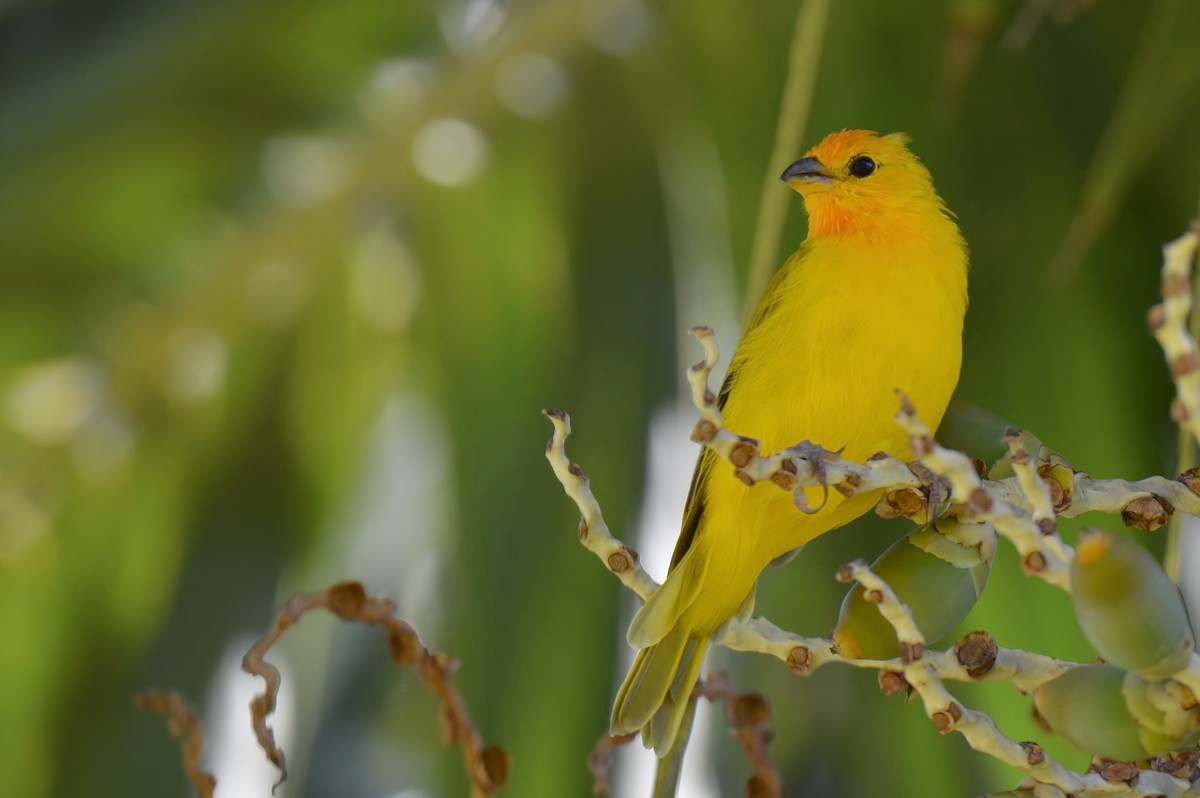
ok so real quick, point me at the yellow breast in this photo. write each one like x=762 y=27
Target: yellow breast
x=846 y=324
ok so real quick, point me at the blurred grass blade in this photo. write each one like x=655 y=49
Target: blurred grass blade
x=793 y=118
x=1161 y=83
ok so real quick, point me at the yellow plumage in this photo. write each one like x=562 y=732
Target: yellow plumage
x=871 y=303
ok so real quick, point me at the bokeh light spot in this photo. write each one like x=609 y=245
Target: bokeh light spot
x=618 y=28
x=469 y=25
x=449 y=152
x=48 y=402
x=531 y=85
x=102 y=448
x=197 y=367
x=395 y=87
x=22 y=523
x=276 y=293
x=303 y=171
x=386 y=282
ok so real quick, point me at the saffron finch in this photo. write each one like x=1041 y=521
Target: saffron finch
x=872 y=302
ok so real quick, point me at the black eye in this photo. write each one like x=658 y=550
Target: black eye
x=862 y=166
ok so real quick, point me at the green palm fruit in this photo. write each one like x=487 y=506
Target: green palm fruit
x=938 y=570
x=973 y=431
x=1128 y=608
x=1104 y=710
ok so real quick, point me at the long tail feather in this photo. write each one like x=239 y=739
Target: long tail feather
x=655 y=694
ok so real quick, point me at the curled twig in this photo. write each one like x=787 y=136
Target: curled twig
x=183 y=723
x=487 y=766
x=593 y=531
x=747 y=713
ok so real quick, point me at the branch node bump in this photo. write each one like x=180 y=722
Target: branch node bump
x=743 y=452
x=944 y=719
x=1191 y=480
x=979 y=501
x=704 y=432
x=622 y=560
x=495 y=764
x=402 y=645
x=798 y=658
x=784 y=479
x=749 y=709
x=1058 y=496
x=1180 y=764
x=1033 y=563
x=1115 y=772
x=1147 y=513
x=977 y=653
x=1179 y=412
x=851 y=483
x=1184 y=364
x=1034 y=754
x=910 y=652
x=1156 y=317
x=845 y=574
x=1174 y=285
x=346 y=600
x=902 y=503
x=893 y=683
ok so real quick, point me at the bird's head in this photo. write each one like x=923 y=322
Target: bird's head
x=859 y=181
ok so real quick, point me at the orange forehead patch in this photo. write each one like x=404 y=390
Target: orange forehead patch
x=839 y=147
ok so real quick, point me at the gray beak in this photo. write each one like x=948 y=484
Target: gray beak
x=806 y=170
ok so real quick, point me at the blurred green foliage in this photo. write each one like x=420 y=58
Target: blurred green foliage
x=250 y=295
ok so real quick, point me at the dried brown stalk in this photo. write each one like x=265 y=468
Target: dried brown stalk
x=748 y=713
x=183 y=723
x=600 y=760
x=487 y=766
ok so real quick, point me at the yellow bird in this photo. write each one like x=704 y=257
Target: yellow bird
x=872 y=302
